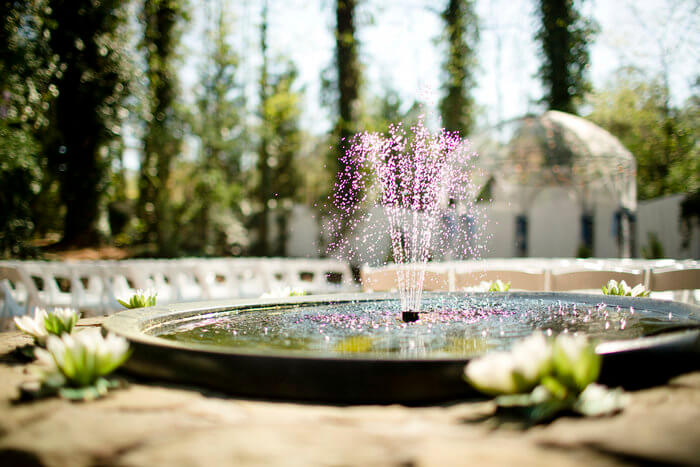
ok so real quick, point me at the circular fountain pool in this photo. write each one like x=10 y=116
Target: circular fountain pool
x=356 y=348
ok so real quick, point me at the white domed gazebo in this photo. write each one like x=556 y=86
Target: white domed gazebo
x=555 y=170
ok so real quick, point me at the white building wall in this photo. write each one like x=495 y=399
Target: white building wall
x=662 y=216
x=304 y=229
x=554 y=224
x=604 y=239
x=554 y=229
x=500 y=233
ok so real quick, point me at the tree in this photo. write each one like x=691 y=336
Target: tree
x=85 y=119
x=347 y=70
x=218 y=124
x=94 y=78
x=264 y=189
x=163 y=136
x=282 y=113
x=27 y=72
x=279 y=145
x=462 y=35
x=345 y=87
x=347 y=83
x=663 y=139
x=564 y=36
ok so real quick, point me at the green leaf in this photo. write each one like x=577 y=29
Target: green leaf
x=576 y=373
x=555 y=388
x=532 y=409
x=26 y=352
x=98 y=389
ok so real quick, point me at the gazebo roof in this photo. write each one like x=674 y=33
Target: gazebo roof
x=559 y=149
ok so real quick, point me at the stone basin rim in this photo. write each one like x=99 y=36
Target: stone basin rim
x=135 y=324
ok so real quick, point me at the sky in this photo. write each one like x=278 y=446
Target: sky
x=400 y=48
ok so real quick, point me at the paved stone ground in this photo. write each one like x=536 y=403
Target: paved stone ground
x=153 y=424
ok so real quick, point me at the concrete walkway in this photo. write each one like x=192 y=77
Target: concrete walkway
x=153 y=424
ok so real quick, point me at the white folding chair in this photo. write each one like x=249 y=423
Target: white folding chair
x=593 y=280
x=684 y=283
x=386 y=279
x=519 y=280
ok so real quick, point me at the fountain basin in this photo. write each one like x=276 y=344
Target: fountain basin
x=355 y=348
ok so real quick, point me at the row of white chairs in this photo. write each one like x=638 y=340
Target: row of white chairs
x=676 y=280
x=94 y=286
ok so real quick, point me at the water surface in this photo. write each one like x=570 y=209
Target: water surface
x=451 y=326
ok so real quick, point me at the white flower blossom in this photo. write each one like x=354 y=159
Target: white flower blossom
x=35 y=327
x=285 y=292
x=532 y=357
x=622 y=289
x=61 y=321
x=142 y=298
x=495 y=286
x=492 y=373
x=83 y=357
x=639 y=291
x=511 y=372
x=575 y=361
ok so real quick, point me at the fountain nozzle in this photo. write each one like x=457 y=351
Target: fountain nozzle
x=409 y=316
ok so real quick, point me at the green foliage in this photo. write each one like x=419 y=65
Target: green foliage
x=28 y=67
x=216 y=177
x=584 y=251
x=564 y=37
x=282 y=111
x=663 y=139
x=462 y=35
x=280 y=143
x=90 y=42
x=19 y=179
x=348 y=73
x=654 y=249
x=346 y=88
x=27 y=71
x=385 y=109
x=164 y=126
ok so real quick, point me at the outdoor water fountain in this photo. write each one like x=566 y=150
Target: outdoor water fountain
x=418 y=180
x=408 y=347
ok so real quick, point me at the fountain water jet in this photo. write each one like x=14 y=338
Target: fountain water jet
x=418 y=178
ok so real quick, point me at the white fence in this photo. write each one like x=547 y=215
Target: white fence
x=94 y=286
x=667 y=279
